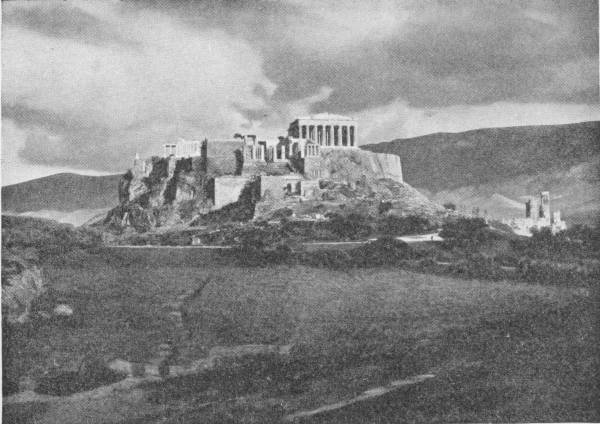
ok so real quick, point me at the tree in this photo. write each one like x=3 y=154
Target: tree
x=465 y=231
x=450 y=206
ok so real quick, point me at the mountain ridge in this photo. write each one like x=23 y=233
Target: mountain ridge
x=449 y=160
x=63 y=192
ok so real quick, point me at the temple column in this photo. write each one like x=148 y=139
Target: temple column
x=336 y=135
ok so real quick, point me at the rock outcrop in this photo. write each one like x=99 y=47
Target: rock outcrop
x=161 y=192
x=21 y=285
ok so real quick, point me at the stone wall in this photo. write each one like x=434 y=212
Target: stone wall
x=228 y=190
x=223 y=157
x=314 y=168
x=389 y=166
x=310 y=189
x=352 y=165
x=277 y=186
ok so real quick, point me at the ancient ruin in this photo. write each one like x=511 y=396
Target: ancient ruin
x=290 y=165
x=315 y=169
x=537 y=216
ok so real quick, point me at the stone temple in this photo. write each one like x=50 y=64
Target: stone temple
x=288 y=166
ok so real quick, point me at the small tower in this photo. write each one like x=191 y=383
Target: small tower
x=544 y=211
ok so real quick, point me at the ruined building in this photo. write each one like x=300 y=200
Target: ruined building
x=537 y=216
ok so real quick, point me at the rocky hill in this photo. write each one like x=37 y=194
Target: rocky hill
x=494 y=168
x=356 y=181
x=172 y=191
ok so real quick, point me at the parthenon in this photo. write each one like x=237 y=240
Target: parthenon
x=305 y=138
x=325 y=129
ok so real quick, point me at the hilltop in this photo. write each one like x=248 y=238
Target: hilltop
x=493 y=167
x=64 y=192
x=168 y=191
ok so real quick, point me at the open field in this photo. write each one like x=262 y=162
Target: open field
x=501 y=351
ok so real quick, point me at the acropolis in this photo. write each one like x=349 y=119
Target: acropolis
x=305 y=136
x=286 y=167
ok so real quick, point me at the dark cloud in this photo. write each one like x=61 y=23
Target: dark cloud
x=64 y=21
x=486 y=53
x=54 y=141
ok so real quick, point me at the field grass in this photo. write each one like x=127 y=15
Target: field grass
x=501 y=351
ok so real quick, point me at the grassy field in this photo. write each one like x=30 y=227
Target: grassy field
x=501 y=351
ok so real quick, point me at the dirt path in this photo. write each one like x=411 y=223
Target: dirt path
x=369 y=394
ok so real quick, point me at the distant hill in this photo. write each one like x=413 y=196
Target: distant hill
x=61 y=193
x=494 y=168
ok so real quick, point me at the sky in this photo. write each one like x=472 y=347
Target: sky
x=87 y=85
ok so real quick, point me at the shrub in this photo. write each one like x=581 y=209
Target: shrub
x=383 y=251
x=400 y=226
x=328 y=258
x=384 y=207
x=578 y=242
x=351 y=227
x=44 y=237
x=450 y=206
x=465 y=232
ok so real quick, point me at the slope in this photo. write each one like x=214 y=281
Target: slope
x=61 y=192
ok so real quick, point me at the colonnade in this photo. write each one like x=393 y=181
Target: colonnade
x=329 y=135
x=183 y=148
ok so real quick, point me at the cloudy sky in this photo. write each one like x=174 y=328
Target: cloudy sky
x=87 y=85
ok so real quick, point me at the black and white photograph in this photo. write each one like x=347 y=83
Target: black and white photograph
x=300 y=211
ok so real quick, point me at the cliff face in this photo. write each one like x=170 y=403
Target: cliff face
x=163 y=191
x=168 y=191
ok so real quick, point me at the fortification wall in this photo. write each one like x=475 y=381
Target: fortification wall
x=389 y=166
x=253 y=167
x=223 y=157
x=223 y=147
x=228 y=189
x=351 y=165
